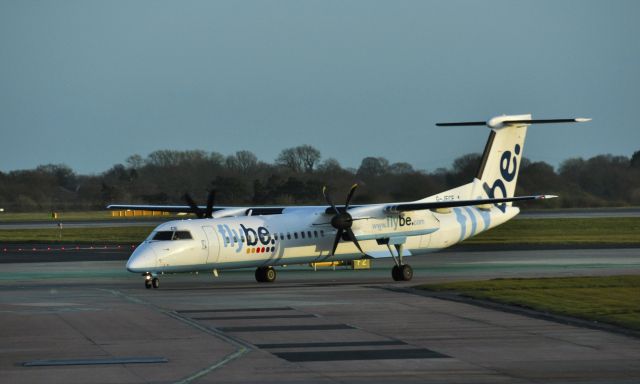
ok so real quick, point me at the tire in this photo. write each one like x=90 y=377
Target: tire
x=406 y=272
x=260 y=275
x=395 y=273
x=147 y=284
x=155 y=282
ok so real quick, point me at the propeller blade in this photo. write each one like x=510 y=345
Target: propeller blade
x=210 y=199
x=336 y=241
x=349 y=196
x=352 y=236
x=194 y=207
x=325 y=193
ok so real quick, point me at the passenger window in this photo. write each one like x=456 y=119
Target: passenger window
x=322 y=233
x=302 y=234
x=309 y=233
x=295 y=234
x=288 y=236
x=315 y=233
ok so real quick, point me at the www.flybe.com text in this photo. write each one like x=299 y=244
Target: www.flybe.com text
x=395 y=222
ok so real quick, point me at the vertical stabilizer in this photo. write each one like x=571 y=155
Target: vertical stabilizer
x=500 y=164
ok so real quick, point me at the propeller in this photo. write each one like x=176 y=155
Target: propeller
x=199 y=212
x=342 y=221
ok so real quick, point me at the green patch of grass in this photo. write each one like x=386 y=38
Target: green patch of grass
x=43 y=216
x=69 y=216
x=608 y=299
x=78 y=235
x=538 y=231
x=563 y=231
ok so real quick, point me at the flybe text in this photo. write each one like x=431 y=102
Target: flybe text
x=237 y=237
x=395 y=222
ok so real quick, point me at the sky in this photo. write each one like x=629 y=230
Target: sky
x=89 y=83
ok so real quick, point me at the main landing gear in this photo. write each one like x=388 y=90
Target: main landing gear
x=151 y=280
x=400 y=271
x=265 y=275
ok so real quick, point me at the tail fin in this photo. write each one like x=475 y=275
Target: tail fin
x=500 y=165
x=500 y=162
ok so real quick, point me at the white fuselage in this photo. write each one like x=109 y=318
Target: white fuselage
x=302 y=235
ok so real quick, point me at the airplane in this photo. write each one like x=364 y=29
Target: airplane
x=224 y=238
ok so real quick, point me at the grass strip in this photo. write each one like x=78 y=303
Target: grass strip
x=607 y=299
x=540 y=231
x=8 y=217
x=563 y=231
x=130 y=234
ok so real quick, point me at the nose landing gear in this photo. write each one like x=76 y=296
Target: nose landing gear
x=151 y=280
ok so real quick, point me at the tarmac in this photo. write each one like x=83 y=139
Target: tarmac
x=93 y=322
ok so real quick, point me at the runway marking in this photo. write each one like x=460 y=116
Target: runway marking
x=332 y=344
x=365 y=354
x=275 y=328
x=236 y=310
x=122 y=360
x=255 y=317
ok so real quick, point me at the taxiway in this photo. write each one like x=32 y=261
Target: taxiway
x=91 y=321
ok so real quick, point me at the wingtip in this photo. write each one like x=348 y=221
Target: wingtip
x=583 y=119
x=544 y=197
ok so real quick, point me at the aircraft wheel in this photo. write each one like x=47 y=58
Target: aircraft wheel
x=406 y=272
x=269 y=275
x=147 y=284
x=395 y=273
x=155 y=282
x=265 y=275
x=259 y=275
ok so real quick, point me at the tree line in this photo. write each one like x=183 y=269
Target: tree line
x=297 y=176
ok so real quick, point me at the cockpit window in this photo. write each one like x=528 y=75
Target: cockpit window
x=163 y=235
x=172 y=235
x=182 y=235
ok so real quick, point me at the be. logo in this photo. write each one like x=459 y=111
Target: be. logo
x=508 y=171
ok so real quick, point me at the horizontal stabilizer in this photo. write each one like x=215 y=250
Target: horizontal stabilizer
x=462 y=124
x=402 y=207
x=502 y=121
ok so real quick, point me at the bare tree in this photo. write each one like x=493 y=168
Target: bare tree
x=309 y=156
x=298 y=159
x=242 y=161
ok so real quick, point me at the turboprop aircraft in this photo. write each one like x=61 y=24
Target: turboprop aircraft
x=223 y=238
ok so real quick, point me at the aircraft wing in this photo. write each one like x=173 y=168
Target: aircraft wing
x=402 y=207
x=372 y=209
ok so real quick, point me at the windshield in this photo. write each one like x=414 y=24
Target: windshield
x=172 y=235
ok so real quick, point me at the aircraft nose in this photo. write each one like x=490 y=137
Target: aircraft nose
x=143 y=259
